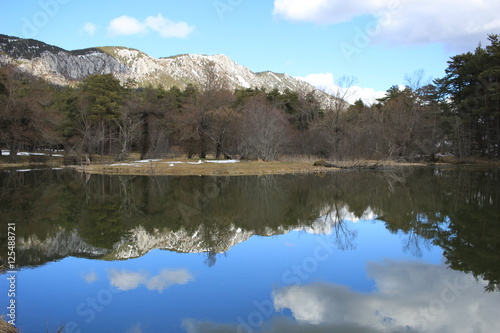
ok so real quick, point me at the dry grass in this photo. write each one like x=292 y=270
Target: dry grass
x=468 y=161
x=297 y=158
x=234 y=169
x=372 y=164
x=31 y=161
x=242 y=168
x=288 y=164
x=5 y=327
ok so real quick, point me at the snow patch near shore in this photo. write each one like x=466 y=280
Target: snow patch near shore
x=222 y=161
x=23 y=153
x=172 y=163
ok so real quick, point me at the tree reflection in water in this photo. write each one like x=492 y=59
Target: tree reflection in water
x=92 y=216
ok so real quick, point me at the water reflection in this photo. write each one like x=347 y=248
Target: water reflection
x=60 y=214
x=125 y=217
x=414 y=295
x=350 y=252
x=128 y=280
x=409 y=296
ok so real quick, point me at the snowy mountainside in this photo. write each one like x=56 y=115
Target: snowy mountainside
x=60 y=243
x=64 y=67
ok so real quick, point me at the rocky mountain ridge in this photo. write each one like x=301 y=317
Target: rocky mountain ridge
x=132 y=66
x=138 y=242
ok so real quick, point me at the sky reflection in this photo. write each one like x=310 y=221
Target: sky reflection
x=335 y=256
x=410 y=296
x=128 y=280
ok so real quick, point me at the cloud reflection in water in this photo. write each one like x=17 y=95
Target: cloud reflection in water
x=409 y=296
x=128 y=280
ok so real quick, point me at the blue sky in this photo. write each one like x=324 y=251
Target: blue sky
x=376 y=41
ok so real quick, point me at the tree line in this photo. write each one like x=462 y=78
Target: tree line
x=458 y=114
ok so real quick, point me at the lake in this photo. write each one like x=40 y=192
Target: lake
x=411 y=249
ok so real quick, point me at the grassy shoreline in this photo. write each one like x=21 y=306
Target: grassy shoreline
x=185 y=167
x=190 y=167
x=193 y=168
x=5 y=327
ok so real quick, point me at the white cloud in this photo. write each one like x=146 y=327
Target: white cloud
x=168 y=28
x=126 y=25
x=322 y=81
x=323 y=11
x=136 y=328
x=128 y=280
x=326 y=82
x=89 y=29
x=459 y=24
x=409 y=297
x=90 y=277
x=167 y=277
x=413 y=295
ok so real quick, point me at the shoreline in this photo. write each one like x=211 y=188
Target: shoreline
x=203 y=168
x=210 y=167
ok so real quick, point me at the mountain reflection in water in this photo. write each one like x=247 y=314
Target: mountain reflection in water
x=60 y=214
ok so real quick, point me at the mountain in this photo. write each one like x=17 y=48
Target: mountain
x=60 y=243
x=63 y=67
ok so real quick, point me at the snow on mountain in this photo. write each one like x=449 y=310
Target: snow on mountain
x=64 y=67
x=138 y=241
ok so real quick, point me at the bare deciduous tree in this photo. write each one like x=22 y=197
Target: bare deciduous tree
x=196 y=128
x=331 y=129
x=264 y=130
x=26 y=115
x=223 y=131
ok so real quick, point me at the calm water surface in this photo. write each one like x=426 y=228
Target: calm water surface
x=413 y=250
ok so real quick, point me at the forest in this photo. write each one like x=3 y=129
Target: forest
x=457 y=115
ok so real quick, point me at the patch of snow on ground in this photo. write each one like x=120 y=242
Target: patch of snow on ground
x=124 y=164
x=29 y=170
x=172 y=163
x=22 y=153
x=223 y=161
x=199 y=162
x=146 y=161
